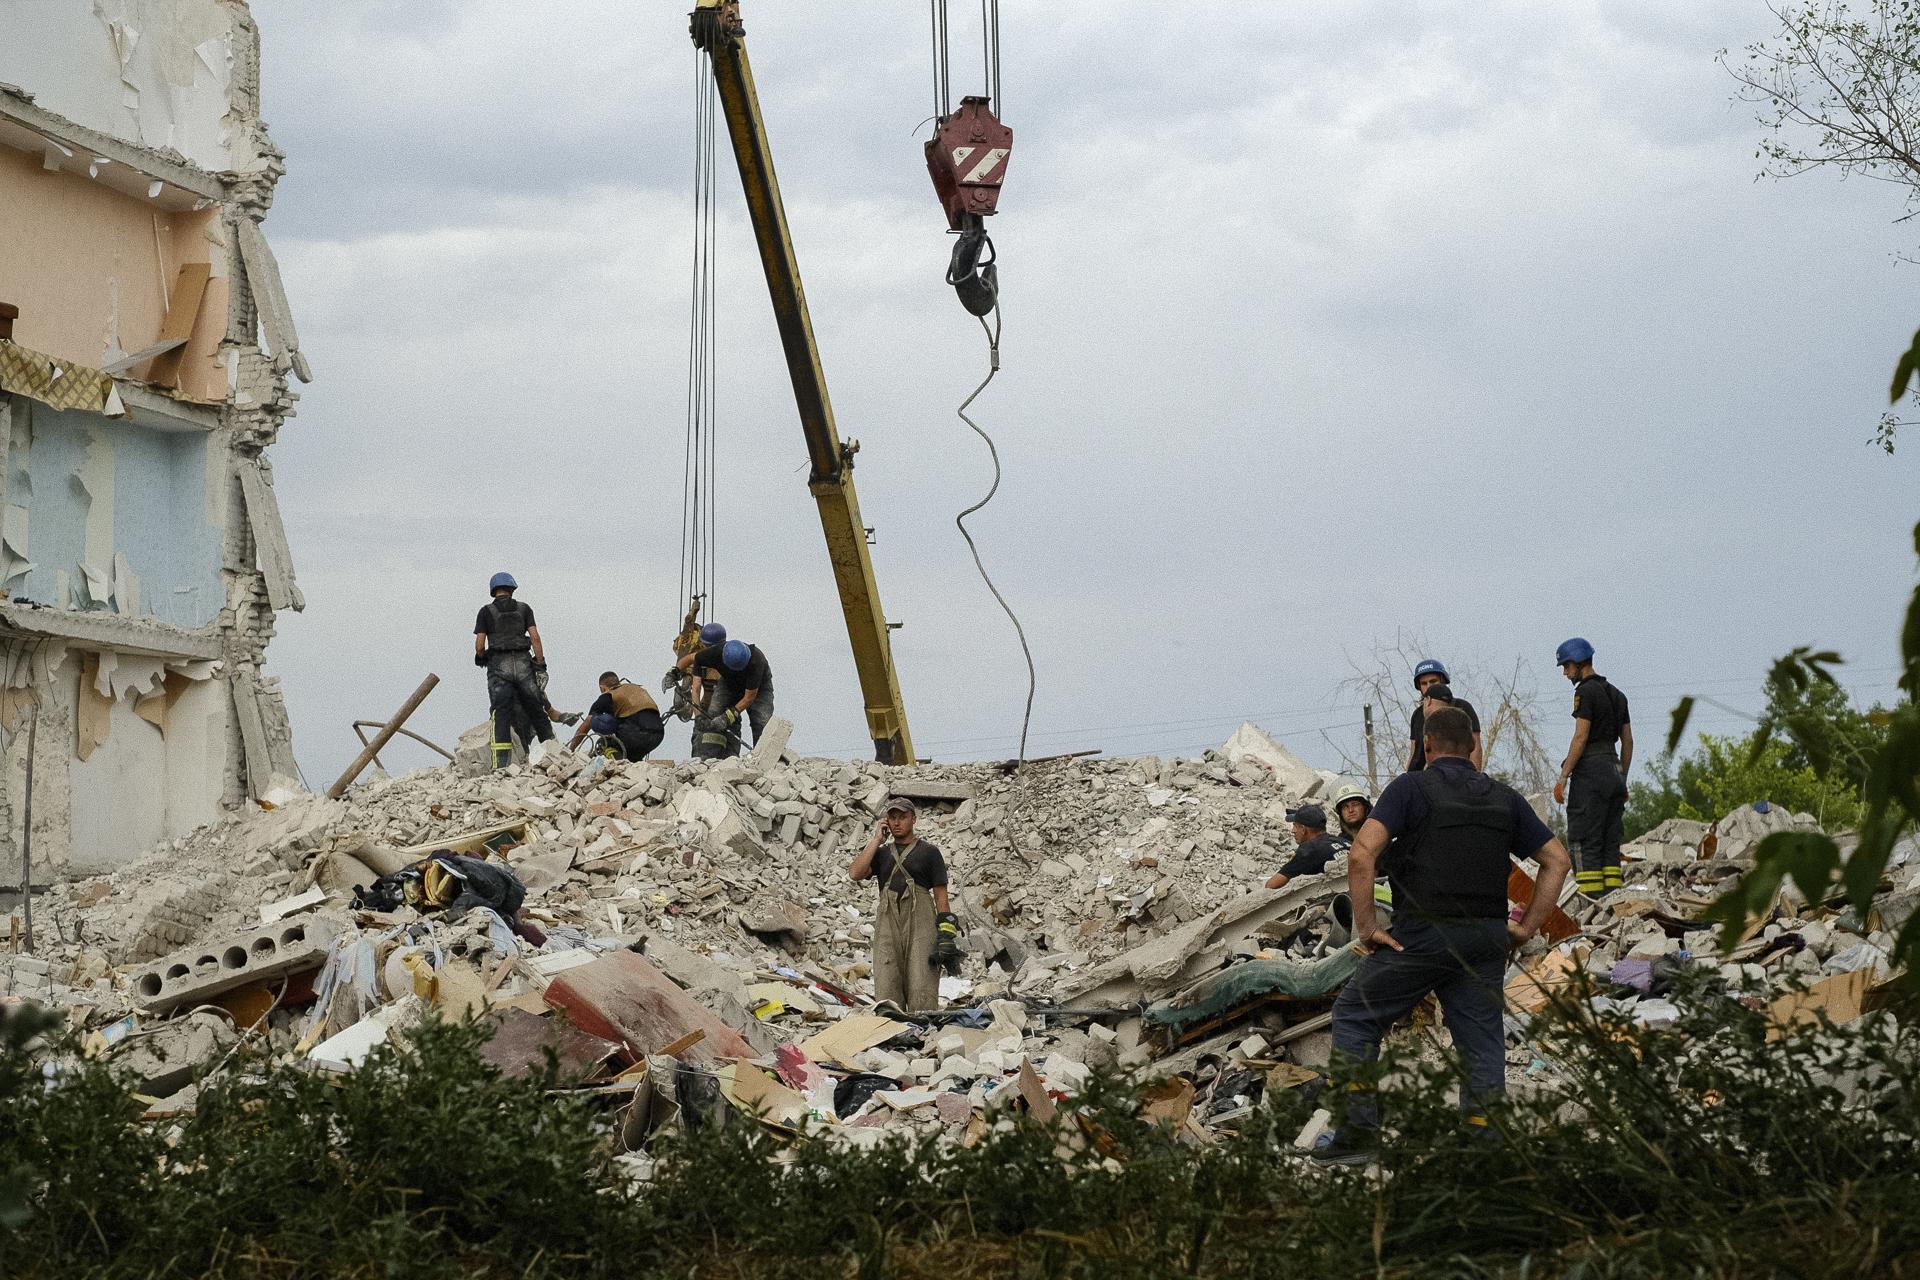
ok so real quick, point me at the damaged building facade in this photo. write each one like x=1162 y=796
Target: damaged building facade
x=145 y=351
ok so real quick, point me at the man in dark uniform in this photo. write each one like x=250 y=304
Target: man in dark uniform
x=746 y=682
x=625 y=712
x=1428 y=677
x=1596 y=769
x=1313 y=847
x=1454 y=829
x=507 y=643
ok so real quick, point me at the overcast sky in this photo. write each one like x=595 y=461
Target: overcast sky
x=1322 y=323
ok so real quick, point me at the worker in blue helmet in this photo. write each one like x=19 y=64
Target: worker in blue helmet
x=1428 y=677
x=1593 y=777
x=743 y=688
x=507 y=643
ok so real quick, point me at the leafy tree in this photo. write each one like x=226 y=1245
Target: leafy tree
x=1836 y=89
x=1727 y=773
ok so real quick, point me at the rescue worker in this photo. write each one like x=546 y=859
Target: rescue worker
x=1428 y=675
x=626 y=713
x=1351 y=805
x=1454 y=828
x=507 y=643
x=914 y=933
x=1313 y=847
x=1597 y=799
x=746 y=681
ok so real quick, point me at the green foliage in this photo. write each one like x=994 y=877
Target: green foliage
x=1726 y=773
x=1703 y=1150
x=1887 y=764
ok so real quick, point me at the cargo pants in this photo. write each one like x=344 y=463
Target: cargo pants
x=1596 y=808
x=514 y=695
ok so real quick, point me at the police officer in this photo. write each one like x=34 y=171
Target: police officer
x=1596 y=769
x=1313 y=847
x=1453 y=828
x=507 y=643
x=1428 y=676
x=626 y=713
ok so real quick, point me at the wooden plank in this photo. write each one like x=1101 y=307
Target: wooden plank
x=183 y=308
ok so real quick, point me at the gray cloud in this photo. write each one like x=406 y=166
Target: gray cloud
x=1320 y=324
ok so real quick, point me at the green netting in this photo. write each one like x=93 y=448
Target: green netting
x=1220 y=993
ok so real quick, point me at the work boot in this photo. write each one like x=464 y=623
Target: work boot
x=1346 y=1147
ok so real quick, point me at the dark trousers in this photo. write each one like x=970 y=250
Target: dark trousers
x=515 y=698
x=1596 y=807
x=1462 y=961
x=637 y=740
x=757 y=713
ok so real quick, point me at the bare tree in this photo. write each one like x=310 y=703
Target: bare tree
x=1839 y=90
x=1510 y=735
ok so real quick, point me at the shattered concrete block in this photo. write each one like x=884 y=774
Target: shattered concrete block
x=164 y=1058
x=271 y=951
x=620 y=997
x=773 y=741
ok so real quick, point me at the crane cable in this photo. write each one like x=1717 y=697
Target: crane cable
x=960 y=521
x=700 y=492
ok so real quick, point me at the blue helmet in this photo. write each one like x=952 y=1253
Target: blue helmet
x=500 y=580
x=735 y=656
x=602 y=722
x=713 y=633
x=1429 y=667
x=1574 y=650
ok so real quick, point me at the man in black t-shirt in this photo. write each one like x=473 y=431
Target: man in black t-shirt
x=1430 y=680
x=746 y=683
x=627 y=713
x=506 y=642
x=1313 y=847
x=913 y=930
x=1596 y=765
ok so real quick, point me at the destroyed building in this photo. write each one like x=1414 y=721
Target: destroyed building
x=145 y=350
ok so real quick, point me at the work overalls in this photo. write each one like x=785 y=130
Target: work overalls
x=903 y=939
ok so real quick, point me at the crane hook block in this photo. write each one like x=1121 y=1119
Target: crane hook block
x=967 y=157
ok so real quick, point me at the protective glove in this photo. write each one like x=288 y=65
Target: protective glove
x=480 y=659
x=733 y=716
x=946 y=950
x=539 y=666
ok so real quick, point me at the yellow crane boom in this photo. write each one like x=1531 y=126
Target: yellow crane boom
x=717 y=30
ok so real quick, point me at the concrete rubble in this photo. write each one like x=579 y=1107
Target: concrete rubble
x=698 y=918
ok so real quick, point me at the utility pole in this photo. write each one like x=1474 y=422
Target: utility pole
x=1373 y=767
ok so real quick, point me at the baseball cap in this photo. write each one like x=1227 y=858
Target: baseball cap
x=900 y=804
x=1309 y=815
x=1439 y=692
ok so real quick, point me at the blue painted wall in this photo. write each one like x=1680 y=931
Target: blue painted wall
x=159 y=512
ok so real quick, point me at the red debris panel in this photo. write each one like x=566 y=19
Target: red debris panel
x=622 y=998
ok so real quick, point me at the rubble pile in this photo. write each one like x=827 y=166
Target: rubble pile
x=694 y=922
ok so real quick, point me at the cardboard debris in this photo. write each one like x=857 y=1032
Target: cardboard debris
x=846 y=1038
x=1840 y=998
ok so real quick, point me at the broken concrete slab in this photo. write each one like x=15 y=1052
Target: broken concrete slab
x=1168 y=962
x=199 y=973
x=164 y=1057
x=521 y=1041
x=773 y=742
x=1294 y=776
x=623 y=998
